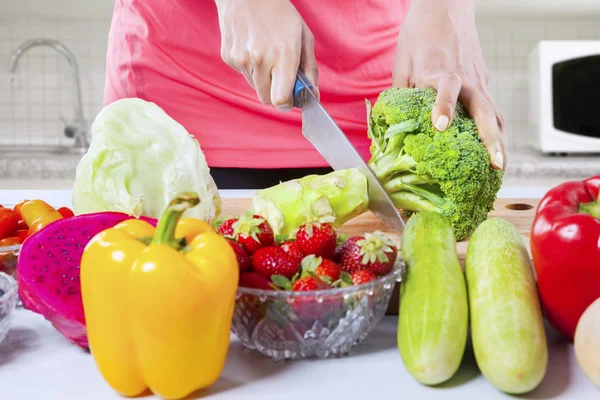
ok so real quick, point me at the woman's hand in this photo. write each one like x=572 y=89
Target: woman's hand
x=267 y=41
x=438 y=47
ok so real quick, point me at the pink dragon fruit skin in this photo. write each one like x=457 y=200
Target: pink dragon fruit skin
x=48 y=270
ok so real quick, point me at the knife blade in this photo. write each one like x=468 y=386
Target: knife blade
x=325 y=135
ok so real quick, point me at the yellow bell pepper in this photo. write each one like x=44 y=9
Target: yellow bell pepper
x=159 y=303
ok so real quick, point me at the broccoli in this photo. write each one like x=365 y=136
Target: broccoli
x=423 y=169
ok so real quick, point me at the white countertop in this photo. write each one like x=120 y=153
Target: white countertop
x=36 y=362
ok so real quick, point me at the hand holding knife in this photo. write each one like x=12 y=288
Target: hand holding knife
x=329 y=140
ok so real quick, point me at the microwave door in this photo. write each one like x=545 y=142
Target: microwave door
x=576 y=96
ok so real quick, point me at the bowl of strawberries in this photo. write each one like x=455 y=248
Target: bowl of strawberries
x=315 y=293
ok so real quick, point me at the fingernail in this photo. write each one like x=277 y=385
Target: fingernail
x=442 y=123
x=499 y=160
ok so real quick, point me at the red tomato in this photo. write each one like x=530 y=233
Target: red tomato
x=10 y=241
x=22 y=225
x=22 y=234
x=65 y=212
x=8 y=222
x=17 y=208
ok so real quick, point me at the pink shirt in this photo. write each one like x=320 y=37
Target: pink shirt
x=168 y=52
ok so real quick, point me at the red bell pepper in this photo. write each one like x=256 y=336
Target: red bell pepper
x=565 y=246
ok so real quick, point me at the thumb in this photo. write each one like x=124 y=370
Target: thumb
x=308 y=62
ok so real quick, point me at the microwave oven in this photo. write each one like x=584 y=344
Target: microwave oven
x=564 y=96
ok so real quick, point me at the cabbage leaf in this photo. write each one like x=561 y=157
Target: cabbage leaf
x=138 y=160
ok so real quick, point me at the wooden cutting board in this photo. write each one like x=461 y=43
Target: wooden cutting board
x=518 y=211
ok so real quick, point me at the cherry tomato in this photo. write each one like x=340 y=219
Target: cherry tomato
x=41 y=223
x=35 y=209
x=10 y=241
x=22 y=234
x=17 y=208
x=22 y=225
x=8 y=222
x=65 y=212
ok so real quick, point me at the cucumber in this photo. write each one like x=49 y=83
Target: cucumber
x=507 y=327
x=433 y=308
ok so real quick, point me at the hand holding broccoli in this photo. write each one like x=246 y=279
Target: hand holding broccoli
x=266 y=41
x=438 y=48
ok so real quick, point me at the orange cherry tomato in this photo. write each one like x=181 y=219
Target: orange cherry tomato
x=17 y=208
x=65 y=212
x=22 y=234
x=41 y=223
x=8 y=222
x=34 y=209
x=10 y=241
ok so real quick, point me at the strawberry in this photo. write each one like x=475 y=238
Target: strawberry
x=321 y=267
x=272 y=260
x=309 y=283
x=226 y=227
x=349 y=255
x=254 y=310
x=339 y=250
x=308 y=309
x=243 y=258
x=362 y=276
x=374 y=251
x=328 y=269
x=254 y=281
x=292 y=249
x=317 y=238
x=252 y=232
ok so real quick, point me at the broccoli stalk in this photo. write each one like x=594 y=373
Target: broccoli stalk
x=425 y=170
x=422 y=170
x=334 y=198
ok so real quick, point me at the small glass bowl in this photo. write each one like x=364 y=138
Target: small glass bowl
x=288 y=325
x=8 y=302
x=8 y=259
x=8 y=263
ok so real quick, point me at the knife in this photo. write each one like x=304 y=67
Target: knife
x=329 y=140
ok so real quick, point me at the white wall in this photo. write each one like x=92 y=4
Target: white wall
x=30 y=108
x=43 y=87
x=506 y=42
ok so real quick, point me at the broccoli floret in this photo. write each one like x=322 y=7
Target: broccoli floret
x=423 y=169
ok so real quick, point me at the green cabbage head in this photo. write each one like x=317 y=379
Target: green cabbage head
x=139 y=159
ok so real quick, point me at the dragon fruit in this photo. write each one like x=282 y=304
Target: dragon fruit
x=48 y=270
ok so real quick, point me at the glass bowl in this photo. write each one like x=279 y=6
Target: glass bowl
x=8 y=264
x=287 y=325
x=8 y=301
x=8 y=259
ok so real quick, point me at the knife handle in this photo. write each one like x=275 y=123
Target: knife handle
x=302 y=83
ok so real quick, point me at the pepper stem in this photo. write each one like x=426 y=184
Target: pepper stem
x=165 y=230
x=592 y=208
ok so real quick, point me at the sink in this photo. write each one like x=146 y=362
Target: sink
x=39 y=162
x=28 y=151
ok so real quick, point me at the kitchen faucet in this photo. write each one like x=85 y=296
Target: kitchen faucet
x=77 y=129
